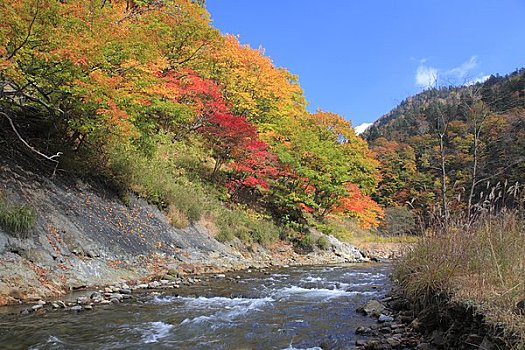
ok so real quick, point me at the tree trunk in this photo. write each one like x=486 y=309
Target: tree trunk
x=444 y=204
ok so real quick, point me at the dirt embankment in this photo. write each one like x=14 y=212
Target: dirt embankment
x=85 y=237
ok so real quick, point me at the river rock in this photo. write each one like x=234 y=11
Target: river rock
x=154 y=284
x=95 y=295
x=37 y=307
x=384 y=318
x=372 y=308
x=88 y=307
x=76 y=308
x=116 y=296
x=220 y=275
x=141 y=286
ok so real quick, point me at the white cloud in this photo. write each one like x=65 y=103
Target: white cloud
x=479 y=79
x=426 y=76
x=462 y=70
x=361 y=128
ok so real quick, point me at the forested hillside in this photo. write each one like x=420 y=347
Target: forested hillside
x=149 y=98
x=454 y=151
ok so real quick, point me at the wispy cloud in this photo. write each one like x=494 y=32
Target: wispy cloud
x=463 y=69
x=428 y=76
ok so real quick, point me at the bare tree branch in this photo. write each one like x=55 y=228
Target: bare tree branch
x=52 y=158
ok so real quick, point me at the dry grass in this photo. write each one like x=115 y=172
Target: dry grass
x=176 y=217
x=484 y=264
x=348 y=230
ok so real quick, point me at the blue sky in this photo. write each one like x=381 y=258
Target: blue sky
x=361 y=58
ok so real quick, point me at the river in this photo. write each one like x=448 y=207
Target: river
x=307 y=307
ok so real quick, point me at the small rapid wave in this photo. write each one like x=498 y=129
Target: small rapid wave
x=224 y=310
x=152 y=332
x=320 y=293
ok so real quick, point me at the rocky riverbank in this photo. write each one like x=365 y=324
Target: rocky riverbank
x=439 y=325
x=85 y=237
x=118 y=293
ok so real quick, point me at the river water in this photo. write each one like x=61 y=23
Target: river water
x=289 y=308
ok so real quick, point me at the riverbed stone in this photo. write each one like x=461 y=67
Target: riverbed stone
x=95 y=295
x=154 y=284
x=384 y=318
x=372 y=308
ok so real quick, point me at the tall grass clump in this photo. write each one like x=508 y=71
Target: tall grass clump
x=483 y=262
x=16 y=219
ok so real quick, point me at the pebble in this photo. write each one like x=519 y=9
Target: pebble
x=384 y=318
x=37 y=307
x=220 y=275
x=76 y=308
x=116 y=296
x=95 y=295
x=82 y=300
x=154 y=284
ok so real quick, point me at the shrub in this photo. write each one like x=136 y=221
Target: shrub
x=154 y=176
x=398 y=221
x=16 y=219
x=305 y=243
x=323 y=243
x=246 y=226
x=264 y=231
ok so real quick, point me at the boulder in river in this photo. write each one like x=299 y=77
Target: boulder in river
x=372 y=308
